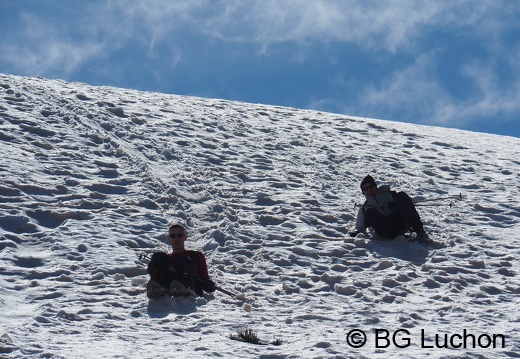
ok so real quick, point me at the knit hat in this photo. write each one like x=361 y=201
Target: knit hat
x=368 y=179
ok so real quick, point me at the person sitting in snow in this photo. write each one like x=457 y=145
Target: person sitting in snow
x=181 y=272
x=389 y=213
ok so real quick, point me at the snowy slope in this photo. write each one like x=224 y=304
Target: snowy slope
x=91 y=177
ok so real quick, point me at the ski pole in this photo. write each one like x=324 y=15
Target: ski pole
x=459 y=197
x=220 y=289
x=432 y=204
x=419 y=201
x=225 y=291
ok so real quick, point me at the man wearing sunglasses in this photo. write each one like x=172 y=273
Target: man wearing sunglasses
x=182 y=272
x=389 y=213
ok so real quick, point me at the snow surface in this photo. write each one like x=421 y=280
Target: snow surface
x=91 y=178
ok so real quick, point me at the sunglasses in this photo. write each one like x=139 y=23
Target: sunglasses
x=176 y=235
x=368 y=186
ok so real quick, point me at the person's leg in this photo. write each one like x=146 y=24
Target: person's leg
x=159 y=269
x=155 y=290
x=384 y=226
x=185 y=273
x=410 y=216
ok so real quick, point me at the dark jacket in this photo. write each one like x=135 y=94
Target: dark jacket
x=188 y=267
x=383 y=202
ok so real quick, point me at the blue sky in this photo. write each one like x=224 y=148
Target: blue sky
x=445 y=63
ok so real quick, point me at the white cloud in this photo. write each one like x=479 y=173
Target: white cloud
x=393 y=25
x=494 y=96
x=148 y=21
x=390 y=25
x=415 y=94
x=413 y=88
x=45 y=48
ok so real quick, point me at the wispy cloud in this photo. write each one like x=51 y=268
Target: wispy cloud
x=495 y=97
x=414 y=88
x=416 y=94
x=377 y=25
x=389 y=25
x=41 y=47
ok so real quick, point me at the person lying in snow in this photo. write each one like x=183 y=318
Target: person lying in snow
x=389 y=213
x=182 y=272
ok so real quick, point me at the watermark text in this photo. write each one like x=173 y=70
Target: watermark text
x=403 y=338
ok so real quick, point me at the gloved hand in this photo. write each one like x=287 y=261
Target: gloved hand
x=354 y=233
x=209 y=286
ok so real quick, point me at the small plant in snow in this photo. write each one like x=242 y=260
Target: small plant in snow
x=277 y=341
x=246 y=335
x=249 y=336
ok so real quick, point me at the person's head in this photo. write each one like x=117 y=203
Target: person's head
x=368 y=186
x=177 y=235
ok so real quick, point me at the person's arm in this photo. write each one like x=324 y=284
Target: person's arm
x=207 y=284
x=202 y=267
x=360 y=221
